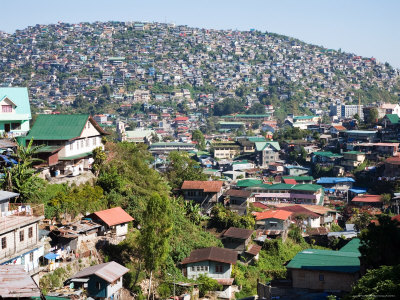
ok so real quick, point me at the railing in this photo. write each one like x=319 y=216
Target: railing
x=19 y=214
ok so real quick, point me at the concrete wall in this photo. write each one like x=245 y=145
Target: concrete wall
x=80 y=146
x=121 y=229
x=310 y=279
x=114 y=288
x=210 y=272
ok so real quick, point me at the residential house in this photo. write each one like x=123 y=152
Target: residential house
x=214 y=262
x=205 y=193
x=237 y=239
x=267 y=152
x=303 y=216
x=298 y=179
x=326 y=270
x=368 y=136
x=68 y=141
x=352 y=159
x=15 y=283
x=325 y=158
x=392 y=167
x=114 y=220
x=103 y=281
x=337 y=130
x=368 y=200
x=225 y=150
x=239 y=200
x=274 y=222
x=19 y=232
x=292 y=170
x=166 y=147
x=15 y=111
x=336 y=183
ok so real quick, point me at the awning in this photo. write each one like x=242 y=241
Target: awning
x=358 y=190
x=78 y=156
x=80 y=279
x=51 y=255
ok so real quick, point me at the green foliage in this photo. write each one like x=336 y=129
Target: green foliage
x=295 y=234
x=181 y=167
x=336 y=228
x=228 y=106
x=223 y=218
x=99 y=157
x=155 y=232
x=381 y=282
x=290 y=133
x=198 y=137
x=54 y=280
x=380 y=243
x=256 y=109
x=362 y=220
x=207 y=284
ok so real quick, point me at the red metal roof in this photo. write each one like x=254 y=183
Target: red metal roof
x=289 y=181
x=206 y=186
x=113 y=216
x=181 y=119
x=367 y=198
x=259 y=205
x=273 y=214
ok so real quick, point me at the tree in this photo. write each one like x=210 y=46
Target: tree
x=99 y=157
x=372 y=116
x=155 y=234
x=207 y=284
x=380 y=243
x=362 y=220
x=257 y=109
x=198 y=137
x=228 y=106
x=181 y=167
x=381 y=282
x=386 y=199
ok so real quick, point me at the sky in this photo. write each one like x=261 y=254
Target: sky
x=365 y=27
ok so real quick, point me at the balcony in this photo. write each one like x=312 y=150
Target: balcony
x=20 y=214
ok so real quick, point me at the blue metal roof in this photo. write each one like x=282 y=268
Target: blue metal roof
x=334 y=180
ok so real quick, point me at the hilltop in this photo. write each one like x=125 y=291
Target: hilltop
x=106 y=63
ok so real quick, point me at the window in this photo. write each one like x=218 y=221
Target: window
x=321 y=277
x=198 y=268
x=88 y=124
x=193 y=268
x=98 y=285
x=219 y=269
x=6 y=108
x=15 y=126
x=82 y=145
x=31 y=256
x=3 y=243
x=94 y=141
x=30 y=232
x=87 y=142
x=21 y=236
x=71 y=146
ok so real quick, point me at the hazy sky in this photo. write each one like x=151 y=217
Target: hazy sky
x=365 y=27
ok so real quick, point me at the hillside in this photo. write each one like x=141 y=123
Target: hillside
x=107 y=62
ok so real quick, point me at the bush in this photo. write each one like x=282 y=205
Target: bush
x=207 y=284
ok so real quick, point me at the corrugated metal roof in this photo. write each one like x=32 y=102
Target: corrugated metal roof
x=113 y=216
x=4 y=195
x=334 y=180
x=206 y=186
x=238 y=233
x=110 y=271
x=16 y=283
x=212 y=253
x=273 y=214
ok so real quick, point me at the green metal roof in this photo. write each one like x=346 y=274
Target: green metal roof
x=393 y=118
x=326 y=260
x=57 y=127
x=279 y=186
x=303 y=117
x=248 y=182
x=307 y=187
x=260 y=146
x=256 y=139
x=299 y=178
x=49 y=149
x=352 y=246
x=231 y=123
x=326 y=154
x=73 y=157
x=354 y=152
x=19 y=96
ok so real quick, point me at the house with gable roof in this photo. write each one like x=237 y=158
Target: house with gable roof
x=267 y=152
x=205 y=193
x=68 y=140
x=114 y=220
x=15 y=111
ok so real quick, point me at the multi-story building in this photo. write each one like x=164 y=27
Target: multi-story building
x=15 y=111
x=19 y=233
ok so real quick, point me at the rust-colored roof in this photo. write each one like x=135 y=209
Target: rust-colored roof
x=212 y=253
x=289 y=181
x=300 y=210
x=225 y=281
x=275 y=214
x=239 y=193
x=259 y=205
x=339 y=127
x=317 y=231
x=395 y=160
x=113 y=216
x=238 y=233
x=254 y=250
x=206 y=186
x=16 y=283
x=367 y=198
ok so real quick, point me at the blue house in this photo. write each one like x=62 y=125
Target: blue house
x=100 y=281
x=15 y=111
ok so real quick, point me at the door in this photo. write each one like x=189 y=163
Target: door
x=7 y=127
